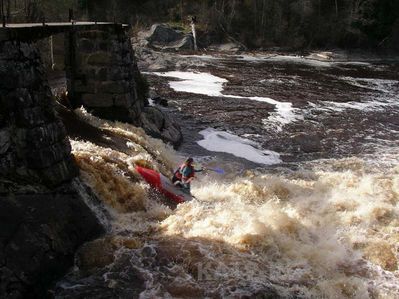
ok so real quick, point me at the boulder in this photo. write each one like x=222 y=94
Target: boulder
x=159 y=125
x=186 y=43
x=157 y=100
x=39 y=234
x=162 y=36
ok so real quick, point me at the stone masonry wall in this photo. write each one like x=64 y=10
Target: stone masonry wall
x=100 y=73
x=34 y=147
x=43 y=218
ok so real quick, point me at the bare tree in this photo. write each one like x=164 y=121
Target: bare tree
x=8 y=10
x=336 y=8
x=181 y=10
x=263 y=18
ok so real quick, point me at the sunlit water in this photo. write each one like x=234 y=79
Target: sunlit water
x=325 y=228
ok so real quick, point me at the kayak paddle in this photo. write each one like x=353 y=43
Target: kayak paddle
x=217 y=170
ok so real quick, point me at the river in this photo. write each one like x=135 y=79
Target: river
x=308 y=206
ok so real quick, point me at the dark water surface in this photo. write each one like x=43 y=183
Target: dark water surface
x=343 y=108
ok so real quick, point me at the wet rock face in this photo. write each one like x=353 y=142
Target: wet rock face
x=158 y=124
x=39 y=234
x=33 y=142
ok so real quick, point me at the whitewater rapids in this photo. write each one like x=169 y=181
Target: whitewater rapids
x=329 y=229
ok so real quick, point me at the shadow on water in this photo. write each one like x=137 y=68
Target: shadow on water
x=167 y=266
x=78 y=128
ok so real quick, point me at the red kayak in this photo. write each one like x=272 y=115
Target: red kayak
x=162 y=184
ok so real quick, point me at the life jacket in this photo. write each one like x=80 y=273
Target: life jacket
x=179 y=172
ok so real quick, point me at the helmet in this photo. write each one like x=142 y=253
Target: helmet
x=190 y=160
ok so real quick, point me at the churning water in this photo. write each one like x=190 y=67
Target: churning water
x=325 y=225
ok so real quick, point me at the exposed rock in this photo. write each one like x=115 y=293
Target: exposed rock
x=39 y=234
x=30 y=117
x=307 y=143
x=159 y=125
x=160 y=101
x=186 y=43
x=20 y=97
x=155 y=117
x=162 y=36
x=45 y=135
x=50 y=155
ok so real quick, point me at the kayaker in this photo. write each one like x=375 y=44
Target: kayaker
x=185 y=174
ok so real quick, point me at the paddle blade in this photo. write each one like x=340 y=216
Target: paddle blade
x=217 y=170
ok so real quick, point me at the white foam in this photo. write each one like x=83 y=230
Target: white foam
x=203 y=57
x=199 y=83
x=381 y=85
x=315 y=60
x=219 y=141
x=210 y=85
x=385 y=99
x=363 y=106
x=310 y=61
x=354 y=63
x=285 y=112
x=285 y=58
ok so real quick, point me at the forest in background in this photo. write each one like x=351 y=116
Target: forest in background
x=288 y=24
